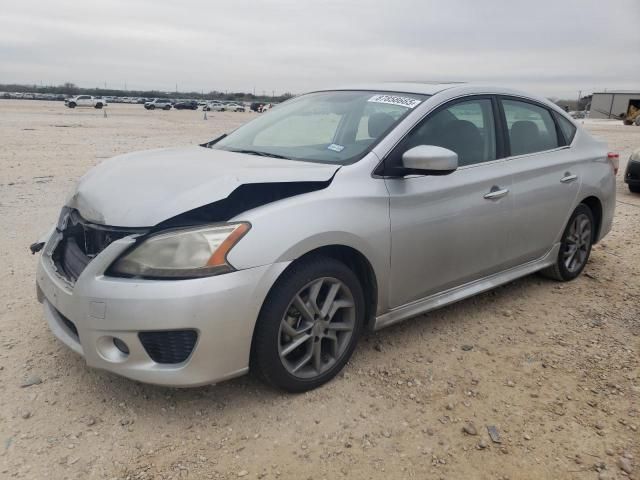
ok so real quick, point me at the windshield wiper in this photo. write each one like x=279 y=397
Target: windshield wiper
x=261 y=154
x=213 y=142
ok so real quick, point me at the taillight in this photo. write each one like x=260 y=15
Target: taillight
x=614 y=159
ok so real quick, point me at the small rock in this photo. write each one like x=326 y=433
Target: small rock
x=527 y=436
x=531 y=331
x=599 y=426
x=31 y=381
x=243 y=473
x=493 y=433
x=466 y=348
x=470 y=429
x=510 y=383
x=377 y=347
x=91 y=421
x=449 y=406
x=507 y=313
x=609 y=451
x=26 y=415
x=482 y=444
x=624 y=464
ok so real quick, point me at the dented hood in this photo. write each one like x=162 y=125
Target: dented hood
x=142 y=189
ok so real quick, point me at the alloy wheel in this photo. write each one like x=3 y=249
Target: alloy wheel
x=577 y=243
x=316 y=328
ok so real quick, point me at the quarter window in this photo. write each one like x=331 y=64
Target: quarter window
x=466 y=128
x=568 y=128
x=531 y=128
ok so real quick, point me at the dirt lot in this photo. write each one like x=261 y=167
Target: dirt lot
x=554 y=367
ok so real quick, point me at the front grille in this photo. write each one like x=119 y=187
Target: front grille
x=170 y=346
x=81 y=241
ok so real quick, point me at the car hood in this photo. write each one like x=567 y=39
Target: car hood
x=145 y=188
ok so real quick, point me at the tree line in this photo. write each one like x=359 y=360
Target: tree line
x=69 y=88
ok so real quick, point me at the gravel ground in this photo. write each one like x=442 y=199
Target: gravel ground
x=553 y=367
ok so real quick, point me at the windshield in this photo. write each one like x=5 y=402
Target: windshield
x=329 y=127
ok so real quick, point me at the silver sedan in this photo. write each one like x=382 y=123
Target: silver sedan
x=273 y=248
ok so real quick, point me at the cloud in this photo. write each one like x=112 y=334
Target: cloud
x=550 y=47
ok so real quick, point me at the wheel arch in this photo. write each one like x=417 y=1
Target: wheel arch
x=358 y=263
x=595 y=205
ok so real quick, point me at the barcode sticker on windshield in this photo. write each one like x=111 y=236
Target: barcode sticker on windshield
x=395 y=100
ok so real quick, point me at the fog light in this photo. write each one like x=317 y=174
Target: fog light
x=120 y=345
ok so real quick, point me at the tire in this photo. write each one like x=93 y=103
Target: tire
x=98 y=105
x=575 y=237
x=637 y=122
x=72 y=105
x=166 y=108
x=152 y=107
x=325 y=341
x=634 y=188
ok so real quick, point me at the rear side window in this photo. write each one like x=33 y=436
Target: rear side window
x=531 y=127
x=567 y=127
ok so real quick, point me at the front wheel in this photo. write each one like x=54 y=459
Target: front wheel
x=72 y=105
x=575 y=246
x=634 y=188
x=309 y=325
x=98 y=105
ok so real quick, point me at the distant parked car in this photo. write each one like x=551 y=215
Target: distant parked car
x=256 y=106
x=632 y=173
x=214 y=107
x=162 y=103
x=234 y=107
x=186 y=105
x=85 y=101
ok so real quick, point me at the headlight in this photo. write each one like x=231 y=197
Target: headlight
x=189 y=253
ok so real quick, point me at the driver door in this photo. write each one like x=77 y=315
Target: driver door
x=449 y=230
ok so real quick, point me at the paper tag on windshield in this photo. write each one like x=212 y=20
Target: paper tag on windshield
x=335 y=147
x=395 y=100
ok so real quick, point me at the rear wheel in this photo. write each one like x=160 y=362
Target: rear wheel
x=634 y=188
x=98 y=105
x=309 y=325
x=167 y=107
x=575 y=246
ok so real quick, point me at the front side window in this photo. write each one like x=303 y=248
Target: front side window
x=466 y=127
x=329 y=127
x=531 y=127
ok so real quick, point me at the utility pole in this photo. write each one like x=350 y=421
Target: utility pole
x=579 y=97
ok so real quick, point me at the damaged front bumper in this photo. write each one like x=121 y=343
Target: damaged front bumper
x=167 y=332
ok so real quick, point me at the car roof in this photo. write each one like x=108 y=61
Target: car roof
x=423 y=88
x=452 y=88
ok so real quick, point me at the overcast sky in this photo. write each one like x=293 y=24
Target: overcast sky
x=549 y=47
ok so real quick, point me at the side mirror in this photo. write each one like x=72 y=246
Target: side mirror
x=429 y=160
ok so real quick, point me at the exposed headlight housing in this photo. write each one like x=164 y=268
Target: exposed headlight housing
x=188 y=253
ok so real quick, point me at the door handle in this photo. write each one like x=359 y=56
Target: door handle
x=568 y=178
x=496 y=193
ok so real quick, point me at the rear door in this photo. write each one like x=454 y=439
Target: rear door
x=452 y=229
x=546 y=176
